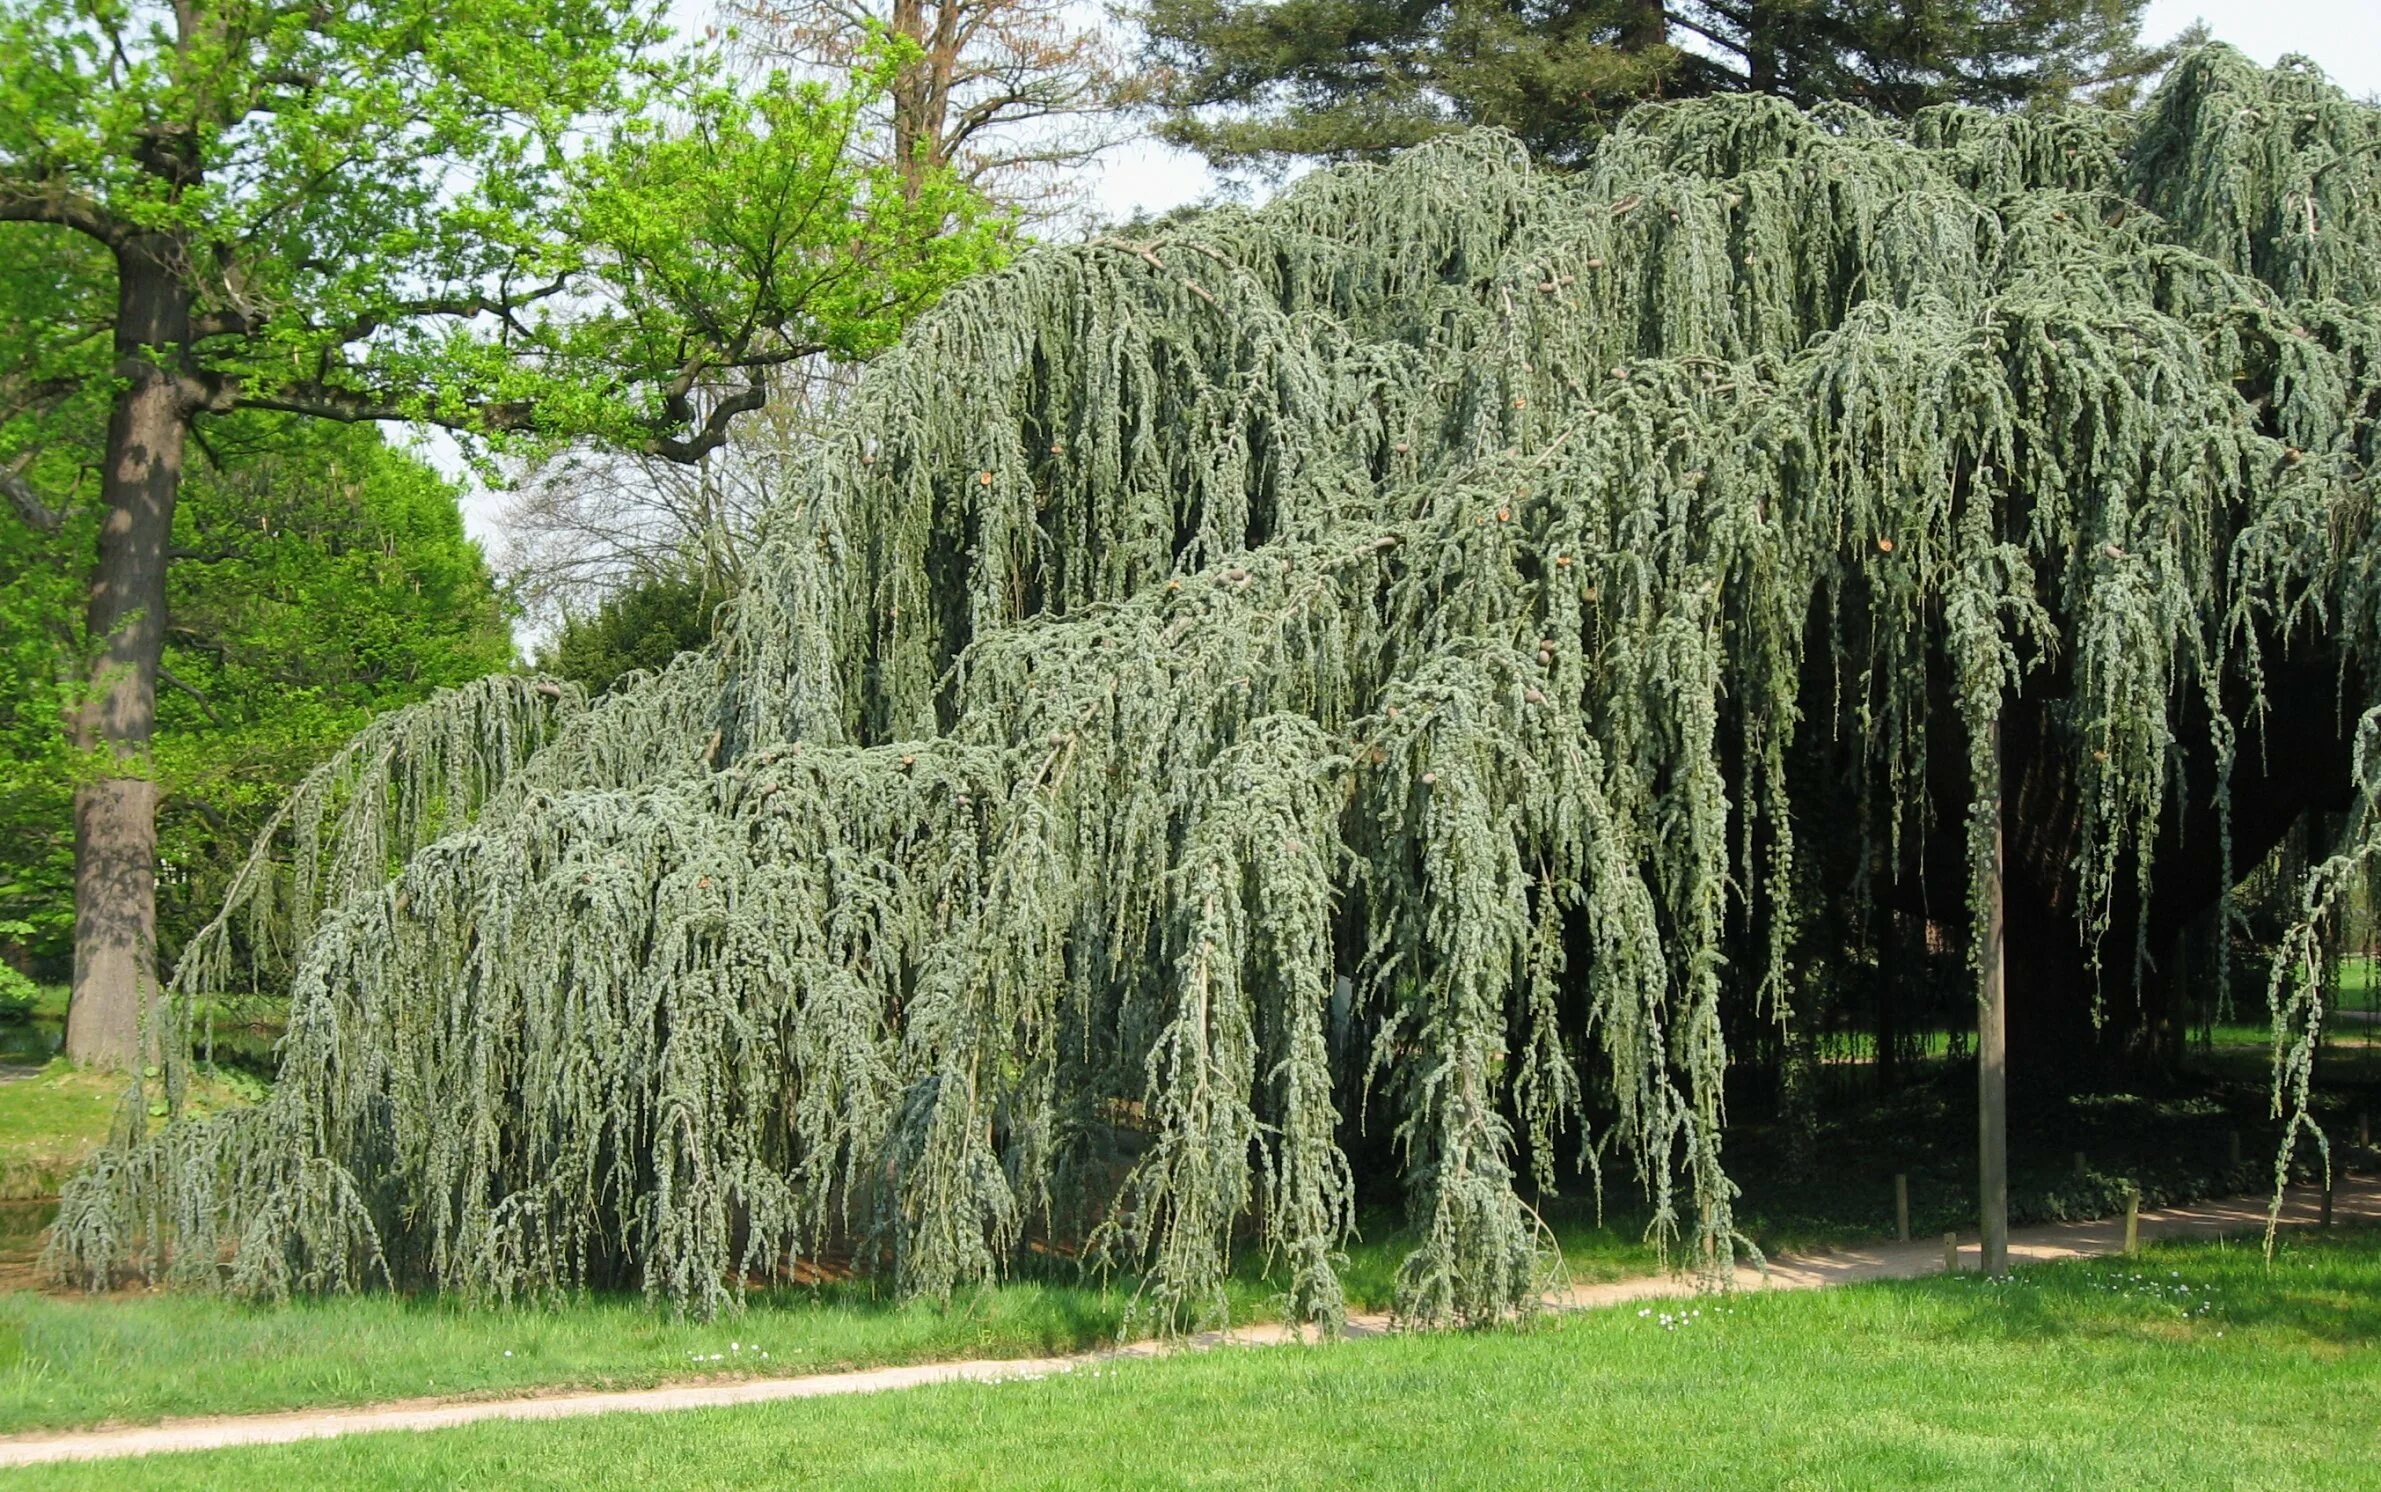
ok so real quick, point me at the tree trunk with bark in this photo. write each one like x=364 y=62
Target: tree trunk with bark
x=1761 y=46
x=922 y=90
x=1992 y=1036
x=115 y=809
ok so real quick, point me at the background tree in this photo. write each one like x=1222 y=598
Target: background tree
x=1249 y=82
x=1898 y=56
x=1015 y=97
x=642 y=625
x=38 y=600
x=1262 y=82
x=1011 y=95
x=585 y=523
x=320 y=577
x=46 y=279
x=466 y=214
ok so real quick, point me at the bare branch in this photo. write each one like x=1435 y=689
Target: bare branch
x=48 y=202
x=167 y=676
x=1686 y=23
x=330 y=402
x=37 y=514
x=327 y=402
x=506 y=308
x=714 y=433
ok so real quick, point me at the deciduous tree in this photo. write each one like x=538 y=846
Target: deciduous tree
x=1010 y=94
x=319 y=577
x=510 y=217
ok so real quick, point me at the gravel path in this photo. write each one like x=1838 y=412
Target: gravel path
x=2356 y=1201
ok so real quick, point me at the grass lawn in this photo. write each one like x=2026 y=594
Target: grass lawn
x=139 y=1356
x=2350 y=1059
x=2360 y=982
x=66 y=1361
x=2193 y=1366
x=48 y=1122
x=134 y=1357
x=53 y=1118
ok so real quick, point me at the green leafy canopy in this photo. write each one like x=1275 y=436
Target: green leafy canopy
x=530 y=216
x=323 y=577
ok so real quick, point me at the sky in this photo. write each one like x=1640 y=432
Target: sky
x=2343 y=36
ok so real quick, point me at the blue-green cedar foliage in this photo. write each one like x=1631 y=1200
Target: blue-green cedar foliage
x=1413 y=582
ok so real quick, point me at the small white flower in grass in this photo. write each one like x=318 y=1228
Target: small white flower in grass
x=508 y=1352
x=1641 y=1315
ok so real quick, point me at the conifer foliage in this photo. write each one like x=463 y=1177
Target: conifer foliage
x=1316 y=689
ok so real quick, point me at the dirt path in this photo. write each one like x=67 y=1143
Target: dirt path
x=2358 y=1201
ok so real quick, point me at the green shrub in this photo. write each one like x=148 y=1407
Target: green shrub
x=17 y=995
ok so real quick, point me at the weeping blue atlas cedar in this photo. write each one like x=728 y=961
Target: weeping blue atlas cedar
x=1311 y=673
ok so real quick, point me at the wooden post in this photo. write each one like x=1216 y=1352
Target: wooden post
x=1901 y=1205
x=2132 y=1218
x=1992 y=1036
x=1951 y=1253
x=2232 y=1149
x=2082 y=1166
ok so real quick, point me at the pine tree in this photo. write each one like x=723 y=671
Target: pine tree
x=1262 y=82
x=639 y=628
x=1899 y=56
